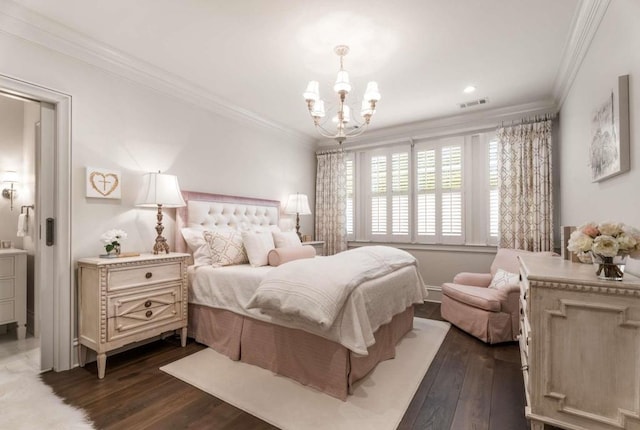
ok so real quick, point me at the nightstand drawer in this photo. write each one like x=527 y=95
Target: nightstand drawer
x=7 y=267
x=144 y=275
x=7 y=311
x=142 y=301
x=143 y=321
x=7 y=289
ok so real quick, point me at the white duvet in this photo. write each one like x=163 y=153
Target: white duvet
x=350 y=317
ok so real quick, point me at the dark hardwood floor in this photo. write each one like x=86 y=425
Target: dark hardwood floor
x=469 y=386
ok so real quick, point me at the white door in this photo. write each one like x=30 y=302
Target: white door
x=45 y=209
x=53 y=183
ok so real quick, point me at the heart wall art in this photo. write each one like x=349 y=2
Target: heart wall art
x=103 y=183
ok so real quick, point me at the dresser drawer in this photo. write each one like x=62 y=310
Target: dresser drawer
x=7 y=289
x=7 y=311
x=142 y=301
x=143 y=321
x=126 y=277
x=7 y=267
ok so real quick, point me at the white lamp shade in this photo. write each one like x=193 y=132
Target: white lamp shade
x=10 y=176
x=318 y=109
x=297 y=204
x=160 y=189
x=346 y=115
x=342 y=82
x=313 y=91
x=372 y=93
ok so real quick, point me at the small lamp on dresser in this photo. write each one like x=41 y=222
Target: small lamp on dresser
x=297 y=204
x=160 y=190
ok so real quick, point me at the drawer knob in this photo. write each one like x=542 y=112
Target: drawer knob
x=148 y=314
x=525 y=367
x=148 y=275
x=147 y=303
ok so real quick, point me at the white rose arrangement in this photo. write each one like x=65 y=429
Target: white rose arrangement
x=603 y=242
x=112 y=238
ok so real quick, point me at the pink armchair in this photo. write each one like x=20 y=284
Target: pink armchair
x=489 y=314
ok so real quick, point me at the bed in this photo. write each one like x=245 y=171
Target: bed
x=330 y=358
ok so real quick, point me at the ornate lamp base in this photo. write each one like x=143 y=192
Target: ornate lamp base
x=161 y=243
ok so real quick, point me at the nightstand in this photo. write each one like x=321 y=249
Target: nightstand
x=318 y=245
x=129 y=299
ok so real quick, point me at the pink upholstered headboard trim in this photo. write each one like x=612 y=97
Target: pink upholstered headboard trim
x=182 y=214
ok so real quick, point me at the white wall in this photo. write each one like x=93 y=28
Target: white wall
x=11 y=124
x=613 y=52
x=121 y=125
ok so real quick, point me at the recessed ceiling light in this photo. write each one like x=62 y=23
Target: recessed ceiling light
x=469 y=89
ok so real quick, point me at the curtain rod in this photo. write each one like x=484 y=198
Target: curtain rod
x=532 y=119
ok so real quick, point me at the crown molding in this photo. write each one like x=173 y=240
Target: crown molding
x=26 y=24
x=583 y=29
x=486 y=119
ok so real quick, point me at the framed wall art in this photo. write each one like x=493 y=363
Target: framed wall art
x=609 y=149
x=103 y=183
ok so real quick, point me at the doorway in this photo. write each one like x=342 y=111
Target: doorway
x=19 y=316
x=52 y=301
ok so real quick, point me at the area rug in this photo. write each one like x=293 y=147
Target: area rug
x=27 y=403
x=378 y=403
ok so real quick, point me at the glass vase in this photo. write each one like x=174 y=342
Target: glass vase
x=610 y=268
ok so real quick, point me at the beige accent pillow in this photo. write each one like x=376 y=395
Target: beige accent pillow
x=225 y=247
x=503 y=280
x=282 y=255
x=284 y=239
x=258 y=245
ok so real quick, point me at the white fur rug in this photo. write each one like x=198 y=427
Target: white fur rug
x=27 y=403
x=378 y=403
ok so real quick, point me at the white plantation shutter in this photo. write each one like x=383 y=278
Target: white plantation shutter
x=434 y=191
x=378 y=208
x=439 y=191
x=349 y=185
x=426 y=192
x=400 y=193
x=451 y=174
x=494 y=196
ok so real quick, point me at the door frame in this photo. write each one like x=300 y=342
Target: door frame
x=56 y=339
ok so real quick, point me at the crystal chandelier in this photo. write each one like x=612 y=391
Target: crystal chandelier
x=343 y=117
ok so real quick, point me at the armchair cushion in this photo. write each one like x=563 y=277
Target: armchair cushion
x=475 y=279
x=483 y=298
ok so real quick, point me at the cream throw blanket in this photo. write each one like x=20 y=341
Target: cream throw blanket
x=315 y=290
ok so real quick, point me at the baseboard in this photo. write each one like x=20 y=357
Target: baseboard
x=434 y=294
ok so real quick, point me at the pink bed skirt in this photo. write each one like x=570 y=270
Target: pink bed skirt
x=304 y=357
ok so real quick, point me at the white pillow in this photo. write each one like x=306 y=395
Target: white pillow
x=503 y=280
x=258 y=245
x=225 y=247
x=193 y=237
x=283 y=239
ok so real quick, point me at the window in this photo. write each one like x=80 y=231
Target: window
x=432 y=191
x=439 y=191
x=389 y=194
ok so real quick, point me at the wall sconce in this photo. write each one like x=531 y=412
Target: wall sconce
x=9 y=178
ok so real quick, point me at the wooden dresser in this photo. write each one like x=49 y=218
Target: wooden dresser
x=580 y=346
x=13 y=289
x=126 y=300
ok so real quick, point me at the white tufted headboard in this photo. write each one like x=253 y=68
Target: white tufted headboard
x=215 y=210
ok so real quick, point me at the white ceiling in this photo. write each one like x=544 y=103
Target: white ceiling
x=258 y=55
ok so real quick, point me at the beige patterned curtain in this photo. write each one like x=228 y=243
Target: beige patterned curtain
x=524 y=165
x=331 y=201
